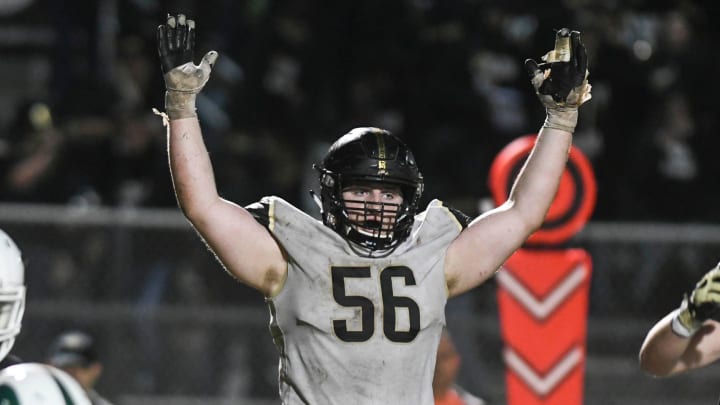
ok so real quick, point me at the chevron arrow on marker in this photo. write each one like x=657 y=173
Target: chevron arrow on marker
x=542 y=385
x=542 y=308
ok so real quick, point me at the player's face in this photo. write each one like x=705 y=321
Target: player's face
x=372 y=207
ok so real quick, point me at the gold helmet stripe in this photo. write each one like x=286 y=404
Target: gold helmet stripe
x=382 y=154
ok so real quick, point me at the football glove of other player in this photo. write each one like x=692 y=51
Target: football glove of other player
x=702 y=304
x=183 y=78
x=560 y=82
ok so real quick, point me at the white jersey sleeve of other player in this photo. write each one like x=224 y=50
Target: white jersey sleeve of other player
x=340 y=316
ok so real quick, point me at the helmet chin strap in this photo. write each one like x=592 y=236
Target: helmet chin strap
x=373 y=231
x=353 y=236
x=316 y=199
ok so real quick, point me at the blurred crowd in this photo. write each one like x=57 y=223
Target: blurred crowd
x=81 y=79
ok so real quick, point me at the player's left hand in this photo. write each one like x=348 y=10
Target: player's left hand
x=561 y=81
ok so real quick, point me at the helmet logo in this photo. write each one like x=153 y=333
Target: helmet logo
x=382 y=167
x=382 y=154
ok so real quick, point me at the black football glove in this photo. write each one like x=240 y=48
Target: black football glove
x=702 y=304
x=183 y=79
x=561 y=81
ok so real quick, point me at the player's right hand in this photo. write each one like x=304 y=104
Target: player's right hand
x=176 y=45
x=702 y=304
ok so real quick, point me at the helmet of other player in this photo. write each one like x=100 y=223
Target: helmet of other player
x=12 y=293
x=370 y=156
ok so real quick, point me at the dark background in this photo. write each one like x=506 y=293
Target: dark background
x=292 y=76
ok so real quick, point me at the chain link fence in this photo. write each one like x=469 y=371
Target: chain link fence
x=173 y=327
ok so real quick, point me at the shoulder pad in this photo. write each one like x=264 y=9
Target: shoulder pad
x=261 y=211
x=461 y=217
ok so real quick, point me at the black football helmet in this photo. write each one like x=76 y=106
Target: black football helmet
x=365 y=156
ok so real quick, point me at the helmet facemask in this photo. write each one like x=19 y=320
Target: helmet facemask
x=12 y=308
x=371 y=158
x=375 y=220
x=12 y=293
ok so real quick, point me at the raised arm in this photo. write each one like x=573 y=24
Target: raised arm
x=688 y=337
x=561 y=85
x=244 y=247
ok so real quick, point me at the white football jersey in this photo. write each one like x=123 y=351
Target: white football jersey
x=355 y=330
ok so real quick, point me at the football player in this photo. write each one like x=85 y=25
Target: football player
x=357 y=301
x=25 y=383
